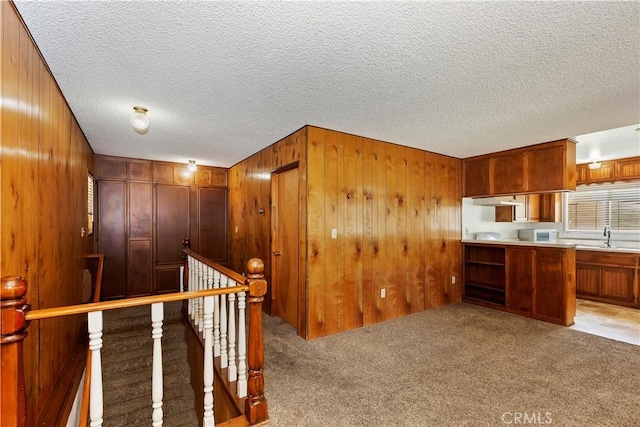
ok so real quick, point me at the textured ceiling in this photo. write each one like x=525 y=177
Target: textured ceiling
x=223 y=80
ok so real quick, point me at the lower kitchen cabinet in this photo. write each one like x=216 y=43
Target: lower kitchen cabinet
x=532 y=281
x=607 y=277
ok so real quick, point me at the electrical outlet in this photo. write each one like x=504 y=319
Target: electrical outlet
x=383 y=293
x=334 y=233
x=236 y=229
x=453 y=280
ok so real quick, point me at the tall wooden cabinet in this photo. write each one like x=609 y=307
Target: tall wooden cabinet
x=145 y=210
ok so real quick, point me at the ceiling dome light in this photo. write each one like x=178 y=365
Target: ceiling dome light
x=192 y=166
x=139 y=120
x=595 y=165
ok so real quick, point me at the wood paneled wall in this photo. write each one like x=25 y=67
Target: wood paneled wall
x=397 y=212
x=145 y=209
x=45 y=160
x=250 y=194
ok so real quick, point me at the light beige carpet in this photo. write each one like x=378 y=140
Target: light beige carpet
x=460 y=365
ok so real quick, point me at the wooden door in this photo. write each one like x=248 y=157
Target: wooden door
x=285 y=259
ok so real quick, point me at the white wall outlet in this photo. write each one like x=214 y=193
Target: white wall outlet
x=236 y=229
x=334 y=233
x=383 y=293
x=453 y=280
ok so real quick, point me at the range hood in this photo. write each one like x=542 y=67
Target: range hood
x=495 y=201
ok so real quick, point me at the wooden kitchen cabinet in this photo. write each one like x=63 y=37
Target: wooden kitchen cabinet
x=476 y=177
x=508 y=173
x=627 y=169
x=532 y=281
x=547 y=167
x=545 y=207
x=607 y=277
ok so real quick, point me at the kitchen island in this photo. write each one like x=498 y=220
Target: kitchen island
x=528 y=279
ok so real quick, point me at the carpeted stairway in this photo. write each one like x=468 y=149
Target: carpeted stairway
x=127 y=363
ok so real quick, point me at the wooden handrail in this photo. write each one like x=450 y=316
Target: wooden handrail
x=48 y=313
x=97 y=288
x=239 y=278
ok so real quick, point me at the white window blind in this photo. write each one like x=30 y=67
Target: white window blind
x=590 y=208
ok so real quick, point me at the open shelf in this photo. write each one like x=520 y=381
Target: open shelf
x=484 y=274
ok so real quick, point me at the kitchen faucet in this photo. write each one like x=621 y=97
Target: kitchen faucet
x=607 y=234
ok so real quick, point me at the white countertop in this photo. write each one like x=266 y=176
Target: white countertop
x=558 y=244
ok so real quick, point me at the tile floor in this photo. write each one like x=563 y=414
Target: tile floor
x=606 y=320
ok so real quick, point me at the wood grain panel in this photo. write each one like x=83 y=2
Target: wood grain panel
x=508 y=170
x=172 y=212
x=405 y=244
x=380 y=233
x=367 y=202
x=352 y=268
x=163 y=173
x=548 y=297
x=212 y=221
x=617 y=283
x=112 y=236
x=45 y=159
x=417 y=214
x=587 y=280
x=139 y=170
x=520 y=273
x=139 y=268
x=140 y=210
x=111 y=168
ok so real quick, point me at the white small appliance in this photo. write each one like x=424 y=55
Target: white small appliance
x=538 y=235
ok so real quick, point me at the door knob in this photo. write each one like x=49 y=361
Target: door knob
x=277 y=253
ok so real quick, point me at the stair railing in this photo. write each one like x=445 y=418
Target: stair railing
x=222 y=325
x=14 y=322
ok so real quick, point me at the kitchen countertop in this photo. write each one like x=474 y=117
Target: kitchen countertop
x=558 y=244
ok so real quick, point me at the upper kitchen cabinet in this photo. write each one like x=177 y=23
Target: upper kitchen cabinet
x=546 y=167
x=627 y=169
x=476 y=176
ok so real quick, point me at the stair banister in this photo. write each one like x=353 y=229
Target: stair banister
x=13 y=327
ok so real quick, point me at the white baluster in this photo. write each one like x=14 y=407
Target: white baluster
x=223 y=324
x=208 y=419
x=96 y=407
x=201 y=286
x=242 y=347
x=232 y=371
x=157 y=316
x=192 y=284
x=216 y=315
x=209 y=281
x=197 y=321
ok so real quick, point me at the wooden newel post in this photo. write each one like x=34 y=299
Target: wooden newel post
x=186 y=244
x=255 y=404
x=13 y=306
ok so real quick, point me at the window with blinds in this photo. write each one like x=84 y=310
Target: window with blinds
x=90 y=204
x=617 y=205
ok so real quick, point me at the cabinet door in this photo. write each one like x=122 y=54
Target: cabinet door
x=212 y=234
x=627 y=169
x=550 y=283
x=521 y=264
x=507 y=172
x=112 y=237
x=550 y=207
x=476 y=177
x=172 y=226
x=545 y=169
x=581 y=174
x=605 y=173
x=617 y=283
x=518 y=213
x=587 y=280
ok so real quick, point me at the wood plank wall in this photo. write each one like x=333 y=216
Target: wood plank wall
x=45 y=160
x=250 y=191
x=397 y=211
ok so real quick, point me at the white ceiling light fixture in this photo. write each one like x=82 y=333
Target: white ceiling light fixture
x=192 y=166
x=139 y=120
